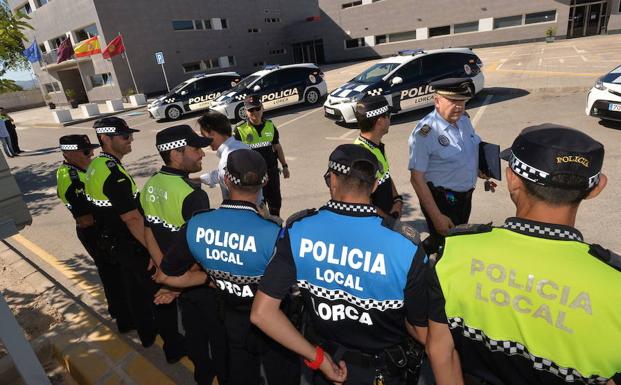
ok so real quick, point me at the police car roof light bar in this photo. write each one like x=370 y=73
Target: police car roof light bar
x=408 y=52
x=269 y=67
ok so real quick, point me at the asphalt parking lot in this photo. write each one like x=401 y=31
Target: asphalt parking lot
x=526 y=85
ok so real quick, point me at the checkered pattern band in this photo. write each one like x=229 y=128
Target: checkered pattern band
x=158 y=221
x=527 y=172
x=340 y=168
x=260 y=145
x=98 y=203
x=172 y=145
x=238 y=279
x=68 y=147
x=378 y=112
x=238 y=181
x=105 y=130
x=237 y=207
x=355 y=208
x=514 y=348
x=68 y=206
x=384 y=178
x=375 y=92
x=364 y=303
x=593 y=181
x=556 y=233
x=241 y=97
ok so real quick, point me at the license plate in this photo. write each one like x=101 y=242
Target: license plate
x=614 y=107
x=331 y=111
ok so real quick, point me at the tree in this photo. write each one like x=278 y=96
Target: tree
x=11 y=44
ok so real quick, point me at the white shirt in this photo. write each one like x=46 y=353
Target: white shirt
x=3 y=131
x=216 y=177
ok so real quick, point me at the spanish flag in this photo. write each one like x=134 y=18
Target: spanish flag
x=87 y=47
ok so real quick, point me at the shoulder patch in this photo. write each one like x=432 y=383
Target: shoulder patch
x=470 y=229
x=402 y=228
x=425 y=130
x=273 y=218
x=300 y=215
x=111 y=164
x=606 y=256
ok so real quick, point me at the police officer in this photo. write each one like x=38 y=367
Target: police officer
x=234 y=244
x=373 y=116
x=116 y=208
x=77 y=153
x=169 y=198
x=358 y=277
x=444 y=157
x=262 y=136
x=530 y=302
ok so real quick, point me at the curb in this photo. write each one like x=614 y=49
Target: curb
x=102 y=115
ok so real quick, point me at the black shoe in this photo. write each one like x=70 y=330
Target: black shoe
x=125 y=328
x=173 y=358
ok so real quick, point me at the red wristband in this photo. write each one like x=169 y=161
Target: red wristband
x=318 y=359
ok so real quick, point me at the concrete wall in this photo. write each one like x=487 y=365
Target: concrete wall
x=614 y=23
x=15 y=101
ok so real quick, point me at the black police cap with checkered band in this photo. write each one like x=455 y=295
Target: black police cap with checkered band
x=542 y=152
x=371 y=107
x=112 y=125
x=76 y=142
x=344 y=158
x=179 y=136
x=246 y=167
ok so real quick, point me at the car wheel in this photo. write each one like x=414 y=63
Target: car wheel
x=240 y=112
x=173 y=112
x=312 y=96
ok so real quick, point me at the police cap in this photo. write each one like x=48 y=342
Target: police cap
x=371 y=107
x=541 y=152
x=345 y=157
x=252 y=101
x=76 y=142
x=453 y=88
x=245 y=167
x=112 y=125
x=179 y=136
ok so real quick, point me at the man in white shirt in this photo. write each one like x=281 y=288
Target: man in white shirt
x=217 y=126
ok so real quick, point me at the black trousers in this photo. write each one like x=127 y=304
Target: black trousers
x=108 y=271
x=204 y=331
x=11 y=129
x=453 y=204
x=150 y=319
x=271 y=191
x=248 y=348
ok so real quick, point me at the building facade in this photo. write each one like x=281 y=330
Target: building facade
x=198 y=36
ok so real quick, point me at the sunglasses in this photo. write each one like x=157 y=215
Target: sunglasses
x=122 y=136
x=326 y=177
x=253 y=109
x=87 y=151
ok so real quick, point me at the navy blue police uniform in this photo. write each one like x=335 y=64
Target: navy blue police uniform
x=358 y=278
x=233 y=244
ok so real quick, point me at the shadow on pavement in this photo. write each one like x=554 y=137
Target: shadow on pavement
x=38 y=183
x=610 y=124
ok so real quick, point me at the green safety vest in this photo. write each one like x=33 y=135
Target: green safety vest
x=251 y=137
x=384 y=172
x=97 y=174
x=162 y=199
x=66 y=175
x=532 y=291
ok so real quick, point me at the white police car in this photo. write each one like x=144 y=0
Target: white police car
x=404 y=80
x=604 y=99
x=276 y=86
x=193 y=94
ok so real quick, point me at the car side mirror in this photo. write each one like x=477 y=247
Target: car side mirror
x=184 y=92
x=256 y=88
x=396 y=80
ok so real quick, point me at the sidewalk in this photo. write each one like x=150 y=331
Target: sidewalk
x=82 y=342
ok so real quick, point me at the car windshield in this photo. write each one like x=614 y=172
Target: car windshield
x=179 y=87
x=245 y=83
x=375 y=73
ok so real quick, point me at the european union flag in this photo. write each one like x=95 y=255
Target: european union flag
x=32 y=53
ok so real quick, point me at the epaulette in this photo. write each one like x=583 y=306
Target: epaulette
x=402 y=228
x=606 y=256
x=424 y=130
x=73 y=175
x=273 y=218
x=470 y=229
x=467 y=114
x=300 y=215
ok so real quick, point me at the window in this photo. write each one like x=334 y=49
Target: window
x=42 y=48
x=231 y=61
x=504 y=22
x=41 y=3
x=351 y=4
x=55 y=42
x=254 y=30
x=198 y=24
x=354 y=43
x=440 y=31
x=279 y=51
x=207 y=24
x=182 y=25
x=211 y=63
x=466 y=27
x=436 y=64
x=225 y=23
x=375 y=72
x=401 y=36
x=409 y=71
x=100 y=80
x=25 y=9
x=540 y=17
x=272 y=19
x=259 y=64
x=191 y=67
x=381 y=39
x=51 y=87
x=86 y=32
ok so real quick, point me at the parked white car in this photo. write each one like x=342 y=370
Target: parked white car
x=604 y=99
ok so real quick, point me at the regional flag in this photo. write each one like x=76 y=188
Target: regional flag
x=64 y=51
x=116 y=47
x=32 y=53
x=87 y=47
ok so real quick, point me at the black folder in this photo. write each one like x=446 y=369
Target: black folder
x=489 y=160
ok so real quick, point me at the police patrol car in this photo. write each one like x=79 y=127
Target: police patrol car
x=404 y=80
x=604 y=99
x=277 y=86
x=192 y=95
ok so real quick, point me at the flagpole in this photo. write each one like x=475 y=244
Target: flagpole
x=129 y=66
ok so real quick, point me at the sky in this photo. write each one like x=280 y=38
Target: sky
x=18 y=75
